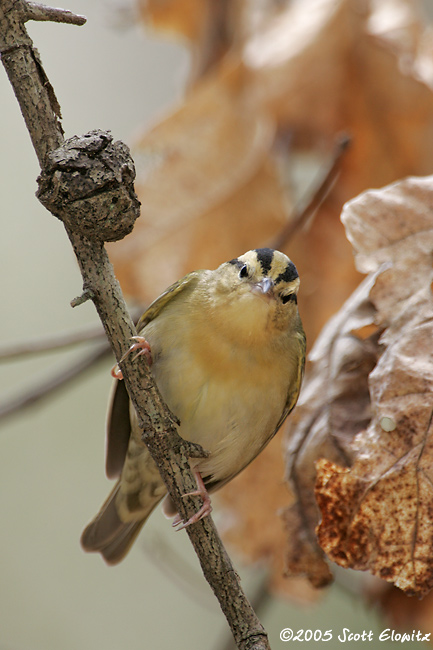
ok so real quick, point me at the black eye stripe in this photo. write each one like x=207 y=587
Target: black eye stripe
x=236 y=262
x=265 y=257
x=290 y=273
x=289 y=298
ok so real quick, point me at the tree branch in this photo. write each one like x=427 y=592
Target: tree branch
x=17 y=349
x=36 y=11
x=317 y=196
x=56 y=381
x=87 y=182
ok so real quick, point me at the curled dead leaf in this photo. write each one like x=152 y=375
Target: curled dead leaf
x=381 y=521
x=364 y=418
x=334 y=406
x=393 y=226
x=377 y=515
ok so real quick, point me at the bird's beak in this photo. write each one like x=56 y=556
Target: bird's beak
x=264 y=287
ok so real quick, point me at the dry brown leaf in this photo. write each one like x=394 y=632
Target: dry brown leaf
x=308 y=68
x=206 y=168
x=185 y=18
x=393 y=225
x=210 y=29
x=368 y=404
x=334 y=406
x=297 y=64
x=378 y=515
x=329 y=65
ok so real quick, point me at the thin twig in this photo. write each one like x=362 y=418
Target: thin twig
x=105 y=213
x=29 y=347
x=42 y=389
x=317 y=196
x=36 y=11
x=166 y=557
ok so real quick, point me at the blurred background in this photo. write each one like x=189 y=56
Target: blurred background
x=236 y=126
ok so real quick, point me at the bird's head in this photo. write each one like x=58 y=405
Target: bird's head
x=258 y=290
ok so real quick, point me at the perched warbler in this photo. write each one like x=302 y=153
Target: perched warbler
x=227 y=352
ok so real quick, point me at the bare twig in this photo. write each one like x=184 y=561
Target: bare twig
x=318 y=195
x=172 y=564
x=42 y=390
x=35 y=96
x=36 y=11
x=58 y=380
x=87 y=182
x=51 y=343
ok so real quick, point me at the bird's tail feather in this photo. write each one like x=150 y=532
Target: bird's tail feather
x=111 y=536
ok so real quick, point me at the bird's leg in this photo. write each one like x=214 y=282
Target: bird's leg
x=143 y=348
x=204 y=511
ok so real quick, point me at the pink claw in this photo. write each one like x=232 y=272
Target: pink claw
x=204 y=511
x=116 y=372
x=142 y=346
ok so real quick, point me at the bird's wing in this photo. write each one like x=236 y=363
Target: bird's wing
x=155 y=308
x=118 y=430
x=293 y=394
x=118 y=421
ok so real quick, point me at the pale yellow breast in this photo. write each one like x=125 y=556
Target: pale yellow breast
x=227 y=390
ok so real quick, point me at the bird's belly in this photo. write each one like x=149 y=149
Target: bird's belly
x=231 y=414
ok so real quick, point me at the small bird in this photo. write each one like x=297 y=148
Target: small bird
x=227 y=351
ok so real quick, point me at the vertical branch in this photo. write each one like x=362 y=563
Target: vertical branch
x=35 y=95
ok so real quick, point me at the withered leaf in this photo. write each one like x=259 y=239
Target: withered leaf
x=378 y=515
x=393 y=226
x=205 y=180
x=333 y=407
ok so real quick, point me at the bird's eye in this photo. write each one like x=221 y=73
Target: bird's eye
x=243 y=273
x=290 y=297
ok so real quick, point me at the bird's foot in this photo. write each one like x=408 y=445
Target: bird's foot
x=204 y=511
x=143 y=349
x=116 y=372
